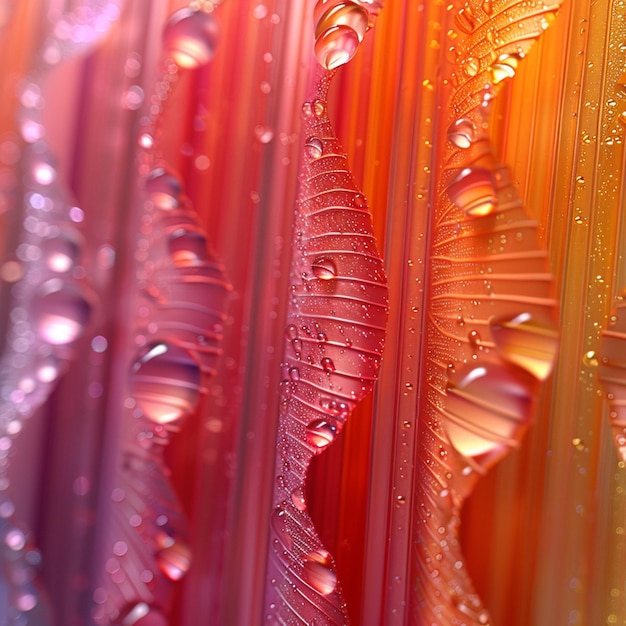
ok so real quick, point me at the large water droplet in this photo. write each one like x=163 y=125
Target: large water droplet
x=318 y=572
x=504 y=67
x=297 y=497
x=175 y=560
x=314 y=147
x=340 y=14
x=320 y=433
x=336 y=46
x=462 y=133
x=164 y=189
x=328 y=365
x=487 y=409
x=187 y=247
x=190 y=37
x=473 y=191
x=61 y=312
x=165 y=382
x=324 y=269
x=526 y=341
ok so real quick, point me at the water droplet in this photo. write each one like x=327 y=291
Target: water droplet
x=291 y=332
x=320 y=433
x=164 y=189
x=297 y=497
x=61 y=253
x=263 y=133
x=165 y=382
x=471 y=66
x=324 y=269
x=487 y=409
x=400 y=500
x=461 y=133
x=547 y=20
x=340 y=14
x=474 y=339
x=318 y=572
x=504 y=67
x=187 y=247
x=319 y=108
x=190 y=37
x=327 y=365
x=335 y=408
x=336 y=46
x=47 y=369
x=526 y=341
x=61 y=313
x=294 y=374
x=473 y=191
x=314 y=147
x=175 y=560
x=590 y=359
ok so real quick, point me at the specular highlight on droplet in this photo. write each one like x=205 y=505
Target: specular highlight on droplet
x=190 y=37
x=473 y=191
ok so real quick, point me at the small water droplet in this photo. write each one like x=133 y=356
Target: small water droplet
x=462 y=133
x=175 y=560
x=61 y=312
x=291 y=332
x=526 y=341
x=62 y=252
x=335 y=408
x=320 y=433
x=473 y=191
x=359 y=201
x=263 y=133
x=336 y=46
x=165 y=382
x=294 y=374
x=590 y=359
x=190 y=37
x=327 y=365
x=318 y=573
x=471 y=66
x=324 y=269
x=400 y=500
x=474 y=339
x=314 y=147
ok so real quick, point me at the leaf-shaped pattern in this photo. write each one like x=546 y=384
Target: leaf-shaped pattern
x=612 y=373
x=491 y=321
x=50 y=303
x=180 y=315
x=334 y=339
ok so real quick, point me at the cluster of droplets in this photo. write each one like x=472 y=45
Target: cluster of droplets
x=339 y=29
x=180 y=317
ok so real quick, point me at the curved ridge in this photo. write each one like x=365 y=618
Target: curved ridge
x=491 y=331
x=334 y=339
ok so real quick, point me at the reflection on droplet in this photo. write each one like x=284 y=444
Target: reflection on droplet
x=314 y=147
x=61 y=313
x=504 y=67
x=165 y=382
x=465 y=20
x=187 y=247
x=487 y=409
x=526 y=341
x=471 y=66
x=320 y=433
x=324 y=269
x=291 y=332
x=336 y=46
x=590 y=359
x=190 y=37
x=175 y=560
x=340 y=14
x=297 y=497
x=461 y=133
x=318 y=572
x=473 y=191
x=164 y=189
